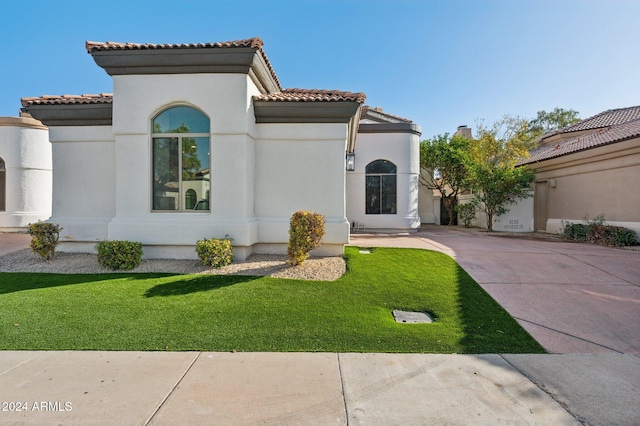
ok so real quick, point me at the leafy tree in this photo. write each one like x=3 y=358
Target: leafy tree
x=491 y=171
x=556 y=119
x=443 y=164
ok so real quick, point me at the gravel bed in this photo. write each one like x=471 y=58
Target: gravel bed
x=314 y=268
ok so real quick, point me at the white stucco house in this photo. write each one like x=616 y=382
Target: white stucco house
x=201 y=140
x=25 y=173
x=382 y=190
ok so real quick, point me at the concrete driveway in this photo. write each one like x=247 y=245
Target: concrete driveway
x=13 y=241
x=573 y=298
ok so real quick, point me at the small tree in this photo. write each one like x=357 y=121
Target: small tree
x=306 y=230
x=443 y=167
x=495 y=187
x=492 y=172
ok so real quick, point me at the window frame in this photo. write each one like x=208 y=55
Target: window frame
x=179 y=141
x=383 y=197
x=3 y=185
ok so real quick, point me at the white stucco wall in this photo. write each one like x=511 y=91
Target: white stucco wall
x=259 y=173
x=427 y=205
x=226 y=100
x=402 y=149
x=26 y=151
x=519 y=218
x=301 y=167
x=83 y=183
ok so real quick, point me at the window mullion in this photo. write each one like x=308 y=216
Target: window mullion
x=381 y=192
x=179 y=150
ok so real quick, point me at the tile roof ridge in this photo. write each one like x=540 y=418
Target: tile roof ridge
x=379 y=110
x=92 y=46
x=571 y=127
x=67 y=99
x=302 y=95
x=605 y=135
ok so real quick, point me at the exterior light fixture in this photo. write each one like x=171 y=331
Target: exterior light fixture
x=351 y=161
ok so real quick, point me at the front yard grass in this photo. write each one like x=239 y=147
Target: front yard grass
x=226 y=313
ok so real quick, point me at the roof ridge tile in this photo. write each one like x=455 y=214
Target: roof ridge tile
x=597 y=137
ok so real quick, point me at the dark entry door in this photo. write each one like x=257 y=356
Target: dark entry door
x=540 y=205
x=444 y=214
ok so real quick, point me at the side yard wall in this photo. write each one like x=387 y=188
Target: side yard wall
x=598 y=181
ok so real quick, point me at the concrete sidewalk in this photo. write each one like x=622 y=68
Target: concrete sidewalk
x=139 y=388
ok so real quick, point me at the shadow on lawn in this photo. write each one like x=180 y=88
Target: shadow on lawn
x=487 y=326
x=11 y=282
x=197 y=284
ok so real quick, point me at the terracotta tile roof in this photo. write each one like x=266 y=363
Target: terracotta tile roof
x=599 y=137
x=607 y=118
x=253 y=43
x=295 y=95
x=102 y=98
x=312 y=95
x=378 y=113
x=93 y=46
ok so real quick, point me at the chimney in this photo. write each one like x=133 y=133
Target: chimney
x=464 y=131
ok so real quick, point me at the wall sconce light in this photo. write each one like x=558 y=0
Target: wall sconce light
x=351 y=161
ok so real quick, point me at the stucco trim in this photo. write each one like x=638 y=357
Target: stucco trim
x=239 y=60
x=304 y=112
x=28 y=122
x=390 y=128
x=72 y=114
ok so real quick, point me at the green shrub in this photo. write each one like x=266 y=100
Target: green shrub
x=116 y=255
x=597 y=232
x=466 y=213
x=575 y=231
x=612 y=236
x=216 y=252
x=44 y=238
x=306 y=230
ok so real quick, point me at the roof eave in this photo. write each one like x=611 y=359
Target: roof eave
x=304 y=112
x=236 y=60
x=411 y=128
x=90 y=114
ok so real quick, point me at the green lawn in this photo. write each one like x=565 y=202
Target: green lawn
x=225 y=313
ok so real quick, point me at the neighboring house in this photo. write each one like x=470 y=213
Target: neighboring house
x=382 y=191
x=25 y=173
x=587 y=169
x=201 y=141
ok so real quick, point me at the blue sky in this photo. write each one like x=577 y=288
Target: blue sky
x=439 y=63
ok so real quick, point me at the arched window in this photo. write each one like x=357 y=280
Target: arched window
x=3 y=186
x=190 y=199
x=181 y=159
x=381 y=187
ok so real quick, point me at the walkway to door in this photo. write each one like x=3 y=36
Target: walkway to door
x=571 y=297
